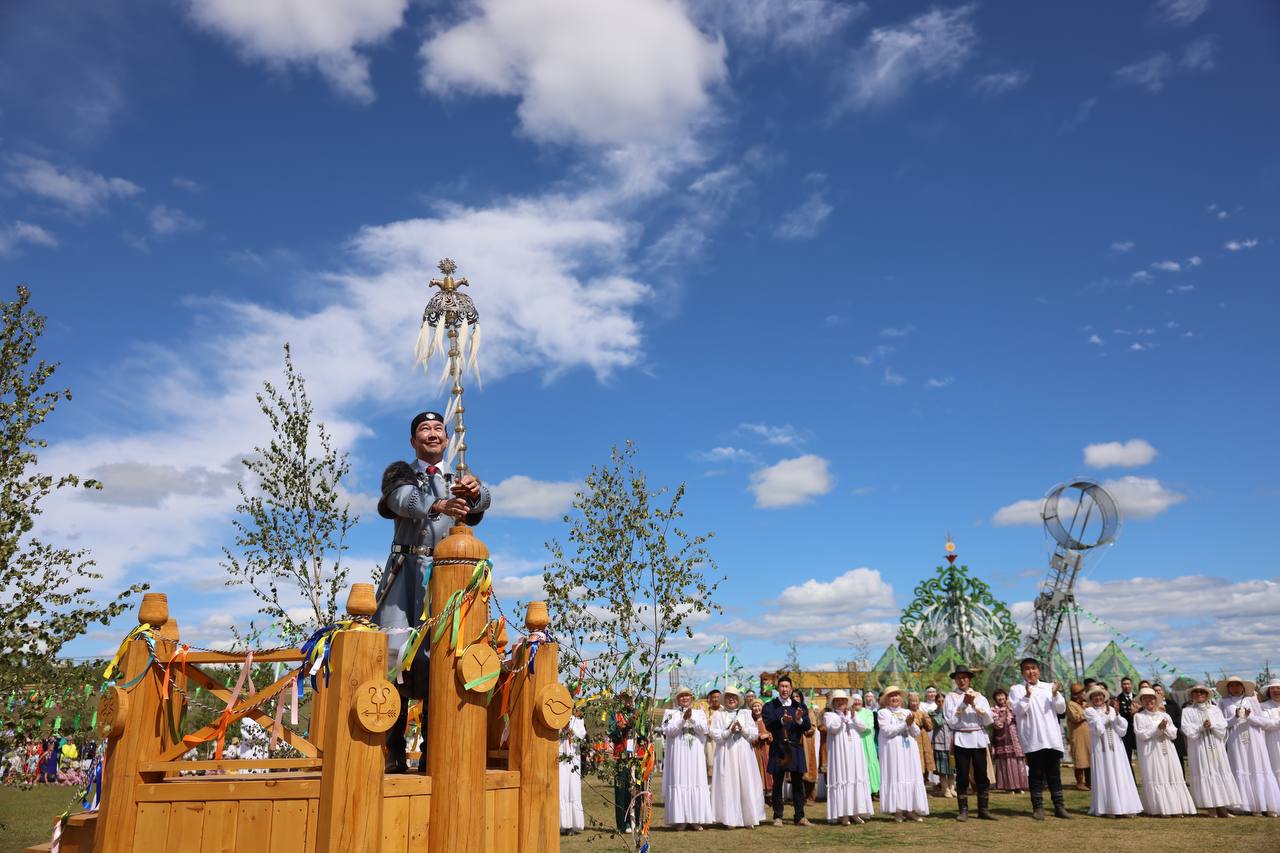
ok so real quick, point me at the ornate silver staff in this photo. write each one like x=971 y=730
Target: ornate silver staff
x=451 y=312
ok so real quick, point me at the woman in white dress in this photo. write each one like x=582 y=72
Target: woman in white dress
x=1114 y=792
x=1271 y=709
x=1164 y=790
x=736 y=789
x=1212 y=784
x=902 y=792
x=848 y=786
x=686 y=796
x=572 y=737
x=1247 y=747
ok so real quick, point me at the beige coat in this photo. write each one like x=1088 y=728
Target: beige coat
x=1078 y=734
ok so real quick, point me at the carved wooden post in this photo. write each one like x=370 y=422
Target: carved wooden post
x=132 y=721
x=455 y=716
x=360 y=705
x=541 y=707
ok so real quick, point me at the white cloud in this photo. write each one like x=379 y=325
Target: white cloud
x=1179 y=13
x=939 y=383
x=779 y=434
x=877 y=353
x=803 y=24
x=20 y=233
x=1195 y=261
x=992 y=85
x=77 y=190
x=146 y=484
x=1138 y=498
x=928 y=47
x=1167 y=266
x=1237 y=245
x=717 y=455
x=1094 y=339
x=1140 y=347
x=169 y=220
x=1151 y=73
x=186 y=184
x=1140 y=275
x=792 y=482
x=806 y=220
x=605 y=74
x=519 y=588
x=519 y=496
x=897 y=331
x=1119 y=454
x=892 y=377
x=1200 y=54
x=324 y=34
x=857 y=602
x=1120 y=247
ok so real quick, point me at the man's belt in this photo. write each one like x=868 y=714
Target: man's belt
x=967 y=730
x=416 y=550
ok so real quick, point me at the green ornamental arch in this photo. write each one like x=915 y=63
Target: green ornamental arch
x=955 y=609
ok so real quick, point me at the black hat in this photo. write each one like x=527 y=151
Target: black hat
x=962 y=670
x=1026 y=661
x=424 y=416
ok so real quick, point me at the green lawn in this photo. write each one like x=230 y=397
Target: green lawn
x=26 y=817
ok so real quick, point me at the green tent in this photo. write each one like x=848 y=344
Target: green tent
x=1110 y=666
x=892 y=668
x=1001 y=671
x=946 y=662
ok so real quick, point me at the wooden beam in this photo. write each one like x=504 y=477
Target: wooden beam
x=273 y=787
x=237 y=766
x=233 y=658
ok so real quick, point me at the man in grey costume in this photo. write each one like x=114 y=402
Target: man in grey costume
x=425 y=500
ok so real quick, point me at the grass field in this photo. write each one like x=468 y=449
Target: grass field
x=26 y=817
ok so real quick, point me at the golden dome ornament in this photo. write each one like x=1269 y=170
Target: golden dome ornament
x=451 y=313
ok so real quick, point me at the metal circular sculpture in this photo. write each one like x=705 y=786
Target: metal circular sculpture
x=954 y=610
x=1090 y=513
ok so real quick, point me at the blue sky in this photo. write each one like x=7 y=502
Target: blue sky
x=862 y=274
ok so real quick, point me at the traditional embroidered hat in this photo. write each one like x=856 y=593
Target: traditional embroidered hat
x=1097 y=688
x=838 y=694
x=962 y=670
x=889 y=691
x=1249 y=686
x=419 y=418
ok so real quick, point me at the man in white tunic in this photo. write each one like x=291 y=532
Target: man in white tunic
x=848 y=786
x=1164 y=790
x=1114 y=792
x=571 y=739
x=685 y=794
x=1205 y=729
x=968 y=714
x=1036 y=707
x=902 y=792
x=1247 y=747
x=1271 y=710
x=737 y=793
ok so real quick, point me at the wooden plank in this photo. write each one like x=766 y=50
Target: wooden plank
x=419 y=823
x=395 y=825
x=288 y=825
x=229 y=766
x=151 y=828
x=253 y=830
x=313 y=823
x=233 y=788
x=406 y=785
x=279 y=656
x=186 y=823
x=506 y=835
x=496 y=779
x=490 y=821
x=219 y=834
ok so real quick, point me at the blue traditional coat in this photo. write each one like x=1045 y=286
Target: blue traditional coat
x=788 y=737
x=407 y=495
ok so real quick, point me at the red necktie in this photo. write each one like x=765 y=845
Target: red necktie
x=432 y=470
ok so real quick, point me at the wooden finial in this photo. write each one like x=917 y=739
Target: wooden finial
x=361 y=600
x=536 y=617
x=154 y=610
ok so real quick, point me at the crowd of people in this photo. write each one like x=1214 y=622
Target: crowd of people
x=742 y=758
x=53 y=760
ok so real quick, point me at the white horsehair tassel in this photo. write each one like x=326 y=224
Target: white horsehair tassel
x=464 y=335
x=420 y=349
x=472 y=364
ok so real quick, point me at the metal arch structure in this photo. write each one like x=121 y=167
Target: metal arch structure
x=1081 y=518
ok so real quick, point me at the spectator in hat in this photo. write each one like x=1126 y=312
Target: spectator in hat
x=968 y=715
x=848 y=788
x=902 y=792
x=684 y=780
x=1164 y=788
x=1247 y=747
x=1212 y=784
x=1114 y=792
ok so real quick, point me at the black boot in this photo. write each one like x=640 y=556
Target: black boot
x=1060 y=807
x=984 y=807
x=963 y=814
x=1037 y=806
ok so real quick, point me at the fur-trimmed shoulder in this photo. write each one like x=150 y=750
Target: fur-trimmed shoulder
x=397 y=474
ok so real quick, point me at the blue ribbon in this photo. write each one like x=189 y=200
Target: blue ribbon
x=94 y=786
x=533 y=652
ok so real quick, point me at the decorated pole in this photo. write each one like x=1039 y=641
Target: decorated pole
x=451 y=314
